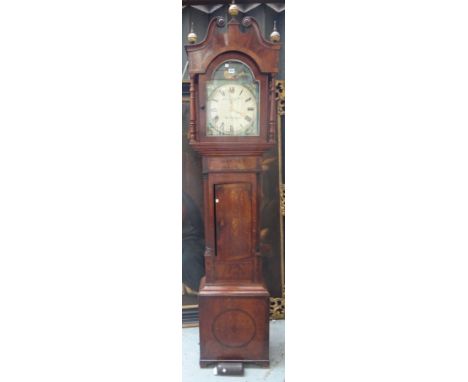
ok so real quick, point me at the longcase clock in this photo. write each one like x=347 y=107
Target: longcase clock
x=232 y=124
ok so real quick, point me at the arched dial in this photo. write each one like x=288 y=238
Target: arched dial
x=232 y=110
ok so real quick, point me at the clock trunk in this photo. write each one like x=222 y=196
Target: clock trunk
x=233 y=301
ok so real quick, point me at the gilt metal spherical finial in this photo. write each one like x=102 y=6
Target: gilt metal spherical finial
x=233 y=9
x=192 y=37
x=275 y=36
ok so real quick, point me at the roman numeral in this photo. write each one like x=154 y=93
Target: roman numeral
x=248 y=119
x=250 y=109
x=248 y=99
x=222 y=93
x=231 y=89
x=241 y=91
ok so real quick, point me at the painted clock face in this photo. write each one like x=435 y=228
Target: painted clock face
x=232 y=102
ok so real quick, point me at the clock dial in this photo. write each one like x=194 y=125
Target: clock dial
x=232 y=110
x=232 y=102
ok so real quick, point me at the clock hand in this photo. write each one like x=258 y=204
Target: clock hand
x=239 y=112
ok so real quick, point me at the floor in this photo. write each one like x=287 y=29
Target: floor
x=191 y=372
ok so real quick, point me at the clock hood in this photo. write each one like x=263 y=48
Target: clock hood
x=244 y=37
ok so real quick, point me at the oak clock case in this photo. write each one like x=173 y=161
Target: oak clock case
x=232 y=124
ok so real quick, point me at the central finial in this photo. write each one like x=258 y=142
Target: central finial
x=233 y=9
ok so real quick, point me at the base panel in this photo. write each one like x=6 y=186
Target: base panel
x=234 y=328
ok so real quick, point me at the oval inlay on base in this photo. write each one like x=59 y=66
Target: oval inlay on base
x=234 y=328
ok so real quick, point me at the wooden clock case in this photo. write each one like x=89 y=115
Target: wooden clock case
x=233 y=299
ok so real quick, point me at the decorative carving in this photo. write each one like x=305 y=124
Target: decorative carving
x=277 y=308
x=282 y=200
x=220 y=21
x=280 y=96
x=247 y=21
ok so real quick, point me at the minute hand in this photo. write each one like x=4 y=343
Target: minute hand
x=239 y=112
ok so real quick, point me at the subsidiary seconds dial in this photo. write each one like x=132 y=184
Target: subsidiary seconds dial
x=232 y=111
